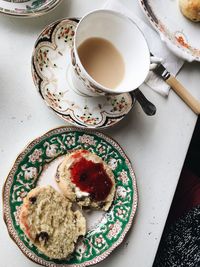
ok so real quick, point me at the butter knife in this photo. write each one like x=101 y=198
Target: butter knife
x=178 y=88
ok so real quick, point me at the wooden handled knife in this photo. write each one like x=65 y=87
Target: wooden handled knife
x=180 y=90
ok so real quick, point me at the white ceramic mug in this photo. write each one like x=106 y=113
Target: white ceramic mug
x=124 y=34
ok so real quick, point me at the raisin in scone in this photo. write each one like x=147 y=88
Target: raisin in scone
x=190 y=9
x=86 y=179
x=48 y=221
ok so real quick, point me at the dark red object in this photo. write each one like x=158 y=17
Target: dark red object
x=92 y=178
x=187 y=195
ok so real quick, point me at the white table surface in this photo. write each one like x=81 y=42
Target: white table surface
x=155 y=145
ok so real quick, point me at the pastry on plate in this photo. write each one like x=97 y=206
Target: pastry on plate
x=190 y=9
x=49 y=222
x=86 y=179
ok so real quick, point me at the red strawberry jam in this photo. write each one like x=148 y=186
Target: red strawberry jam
x=92 y=178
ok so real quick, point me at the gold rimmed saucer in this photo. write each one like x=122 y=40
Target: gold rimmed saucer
x=51 y=63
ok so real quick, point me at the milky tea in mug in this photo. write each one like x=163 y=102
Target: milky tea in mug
x=102 y=61
x=109 y=55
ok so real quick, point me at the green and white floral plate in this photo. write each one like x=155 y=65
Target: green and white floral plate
x=51 y=71
x=27 y=8
x=36 y=165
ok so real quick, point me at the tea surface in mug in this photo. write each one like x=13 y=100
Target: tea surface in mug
x=102 y=61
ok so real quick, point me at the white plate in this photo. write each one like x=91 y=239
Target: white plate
x=181 y=35
x=30 y=8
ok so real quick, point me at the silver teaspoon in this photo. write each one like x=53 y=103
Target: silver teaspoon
x=148 y=107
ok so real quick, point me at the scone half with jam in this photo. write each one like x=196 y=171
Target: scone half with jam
x=49 y=222
x=86 y=179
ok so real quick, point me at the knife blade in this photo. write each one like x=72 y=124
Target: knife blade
x=178 y=88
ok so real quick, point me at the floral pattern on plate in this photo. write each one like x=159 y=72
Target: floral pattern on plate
x=51 y=69
x=28 y=169
x=28 y=8
x=181 y=35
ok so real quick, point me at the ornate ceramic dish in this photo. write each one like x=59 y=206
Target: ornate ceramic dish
x=51 y=70
x=180 y=34
x=28 y=8
x=37 y=164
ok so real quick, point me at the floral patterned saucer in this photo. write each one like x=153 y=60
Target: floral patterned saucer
x=181 y=35
x=51 y=70
x=27 y=8
x=37 y=164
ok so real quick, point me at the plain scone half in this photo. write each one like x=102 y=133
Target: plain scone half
x=49 y=222
x=190 y=9
x=86 y=179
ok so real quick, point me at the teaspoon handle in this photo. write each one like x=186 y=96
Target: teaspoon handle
x=148 y=107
